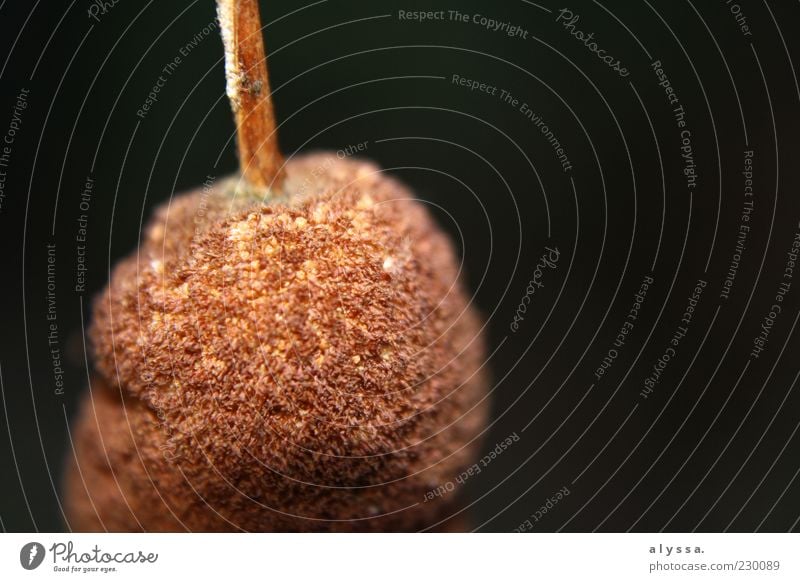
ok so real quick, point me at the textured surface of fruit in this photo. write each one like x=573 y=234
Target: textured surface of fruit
x=305 y=366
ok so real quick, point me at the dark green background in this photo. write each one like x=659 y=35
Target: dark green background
x=343 y=73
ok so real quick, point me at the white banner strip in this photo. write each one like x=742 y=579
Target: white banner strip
x=400 y=557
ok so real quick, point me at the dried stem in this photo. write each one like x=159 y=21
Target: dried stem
x=248 y=89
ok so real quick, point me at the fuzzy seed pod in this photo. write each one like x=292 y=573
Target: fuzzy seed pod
x=312 y=364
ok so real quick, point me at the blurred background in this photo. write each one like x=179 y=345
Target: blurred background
x=644 y=183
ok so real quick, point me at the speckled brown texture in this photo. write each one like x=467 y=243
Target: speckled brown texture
x=291 y=368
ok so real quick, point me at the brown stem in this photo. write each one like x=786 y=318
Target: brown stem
x=260 y=158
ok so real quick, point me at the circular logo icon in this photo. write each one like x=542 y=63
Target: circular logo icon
x=31 y=555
